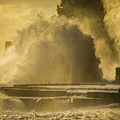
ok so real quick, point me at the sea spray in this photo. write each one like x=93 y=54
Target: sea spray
x=100 y=20
x=51 y=50
x=10 y=104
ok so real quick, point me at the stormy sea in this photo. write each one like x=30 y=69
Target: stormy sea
x=79 y=46
x=12 y=108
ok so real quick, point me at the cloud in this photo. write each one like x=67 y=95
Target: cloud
x=38 y=3
x=11 y=15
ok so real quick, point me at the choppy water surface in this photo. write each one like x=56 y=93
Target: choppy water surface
x=96 y=113
x=12 y=108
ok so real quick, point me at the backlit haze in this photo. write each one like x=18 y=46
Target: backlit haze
x=79 y=44
x=61 y=60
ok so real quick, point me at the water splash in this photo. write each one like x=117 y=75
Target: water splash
x=10 y=104
x=100 y=20
x=51 y=50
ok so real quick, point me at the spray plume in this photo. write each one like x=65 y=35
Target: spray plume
x=96 y=19
x=49 y=51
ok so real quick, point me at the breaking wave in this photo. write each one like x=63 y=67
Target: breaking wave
x=51 y=50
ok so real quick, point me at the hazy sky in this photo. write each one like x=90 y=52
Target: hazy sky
x=14 y=14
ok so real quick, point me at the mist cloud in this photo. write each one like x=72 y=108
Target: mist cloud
x=49 y=51
x=69 y=47
x=92 y=18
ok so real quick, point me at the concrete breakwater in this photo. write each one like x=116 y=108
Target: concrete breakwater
x=43 y=99
x=32 y=92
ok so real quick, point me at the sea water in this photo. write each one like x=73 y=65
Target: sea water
x=14 y=109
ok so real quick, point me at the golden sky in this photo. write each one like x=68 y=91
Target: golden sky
x=14 y=14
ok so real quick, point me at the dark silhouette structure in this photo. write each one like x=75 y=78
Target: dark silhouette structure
x=117 y=74
x=119 y=90
x=7 y=45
